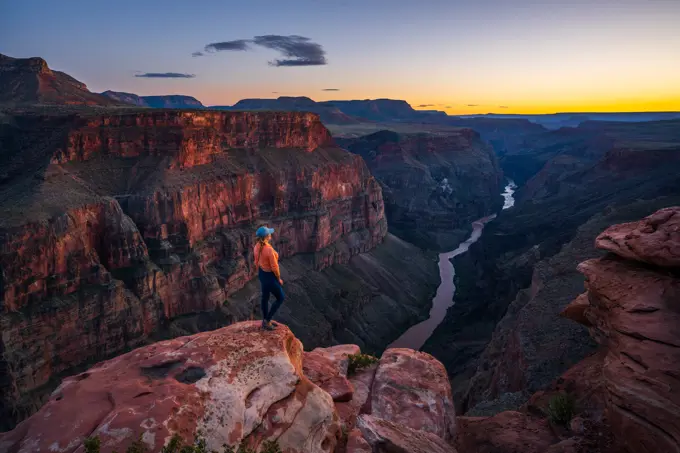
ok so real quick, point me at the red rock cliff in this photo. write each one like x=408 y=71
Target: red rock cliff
x=120 y=223
x=632 y=306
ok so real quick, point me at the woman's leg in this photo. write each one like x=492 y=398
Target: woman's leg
x=277 y=290
x=264 y=301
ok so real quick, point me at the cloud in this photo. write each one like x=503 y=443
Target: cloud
x=503 y=107
x=236 y=45
x=330 y=89
x=297 y=50
x=166 y=75
x=448 y=107
x=473 y=105
x=426 y=105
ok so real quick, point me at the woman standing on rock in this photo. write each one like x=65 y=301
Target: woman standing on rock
x=267 y=263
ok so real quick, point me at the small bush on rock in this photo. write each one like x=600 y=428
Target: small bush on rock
x=561 y=409
x=360 y=361
x=92 y=444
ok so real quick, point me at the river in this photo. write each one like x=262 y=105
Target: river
x=416 y=336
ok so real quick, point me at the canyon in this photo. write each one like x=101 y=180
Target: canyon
x=243 y=385
x=502 y=340
x=126 y=231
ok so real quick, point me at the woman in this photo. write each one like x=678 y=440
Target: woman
x=267 y=263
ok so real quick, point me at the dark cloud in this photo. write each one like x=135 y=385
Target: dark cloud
x=503 y=107
x=426 y=105
x=239 y=44
x=297 y=50
x=197 y=54
x=473 y=105
x=330 y=89
x=166 y=75
x=449 y=107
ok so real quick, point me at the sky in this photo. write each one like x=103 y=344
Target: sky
x=459 y=56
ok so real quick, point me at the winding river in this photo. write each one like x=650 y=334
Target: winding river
x=416 y=336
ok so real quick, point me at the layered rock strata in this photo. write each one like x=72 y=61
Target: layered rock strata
x=114 y=225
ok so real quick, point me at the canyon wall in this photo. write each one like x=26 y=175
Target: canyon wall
x=434 y=185
x=113 y=226
x=632 y=308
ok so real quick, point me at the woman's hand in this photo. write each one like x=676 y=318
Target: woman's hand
x=281 y=281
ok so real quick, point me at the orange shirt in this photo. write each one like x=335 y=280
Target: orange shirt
x=269 y=261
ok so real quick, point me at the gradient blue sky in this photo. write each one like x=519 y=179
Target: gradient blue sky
x=461 y=56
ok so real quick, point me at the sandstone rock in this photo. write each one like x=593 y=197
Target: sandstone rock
x=635 y=312
x=507 y=432
x=654 y=240
x=383 y=435
x=327 y=368
x=356 y=443
x=361 y=382
x=412 y=389
x=236 y=383
x=576 y=310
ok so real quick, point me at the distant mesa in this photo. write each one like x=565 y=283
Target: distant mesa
x=173 y=101
x=329 y=114
x=30 y=81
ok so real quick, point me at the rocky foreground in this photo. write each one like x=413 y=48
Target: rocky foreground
x=240 y=384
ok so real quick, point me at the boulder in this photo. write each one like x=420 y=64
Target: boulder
x=327 y=368
x=654 y=239
x=356 y=443
x=412 y=389
x=383 y=435
x=235 y=384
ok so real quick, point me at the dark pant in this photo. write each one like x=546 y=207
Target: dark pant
x=270 y=285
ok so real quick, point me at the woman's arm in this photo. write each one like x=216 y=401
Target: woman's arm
x=274 y=264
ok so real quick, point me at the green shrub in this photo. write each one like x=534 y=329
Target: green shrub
x=92 y=444
x=270 y=446
x=561 y=409
x=359 y=361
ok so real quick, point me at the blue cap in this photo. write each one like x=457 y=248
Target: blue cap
x=263 y=231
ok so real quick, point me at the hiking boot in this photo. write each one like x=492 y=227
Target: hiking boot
x=267 y=325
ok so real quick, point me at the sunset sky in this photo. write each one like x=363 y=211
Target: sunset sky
x=461 y=56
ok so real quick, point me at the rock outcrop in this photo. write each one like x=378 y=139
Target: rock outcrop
x=233 y=385
x=31 y=81
x=243 y=385
x=112 y=226
x=412 y=389
x=434 y=185
x=654 y=240
x=633 y=311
